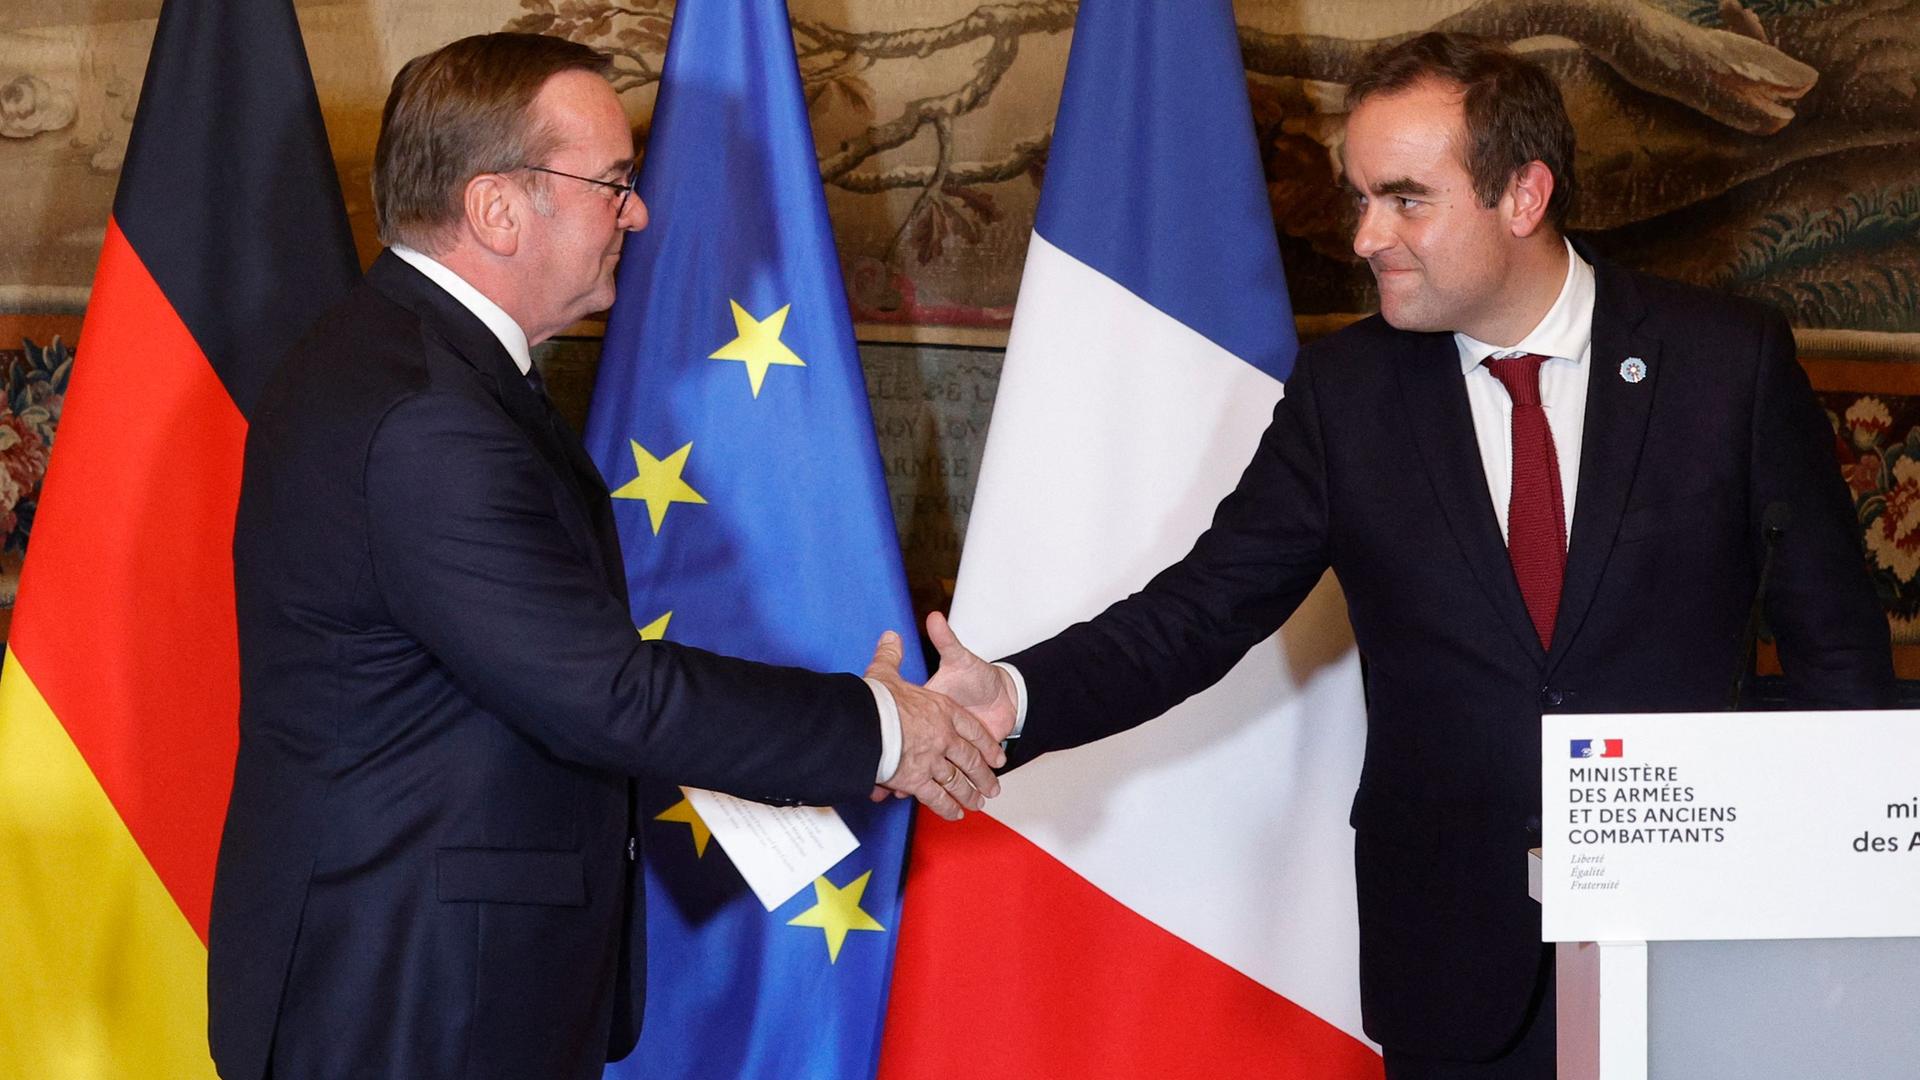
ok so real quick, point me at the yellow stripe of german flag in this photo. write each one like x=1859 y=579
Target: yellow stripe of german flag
x=104 y=975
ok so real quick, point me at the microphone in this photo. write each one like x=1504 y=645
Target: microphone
x=1774 y=521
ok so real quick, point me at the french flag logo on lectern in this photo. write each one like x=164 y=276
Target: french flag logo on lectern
x=1584 y=748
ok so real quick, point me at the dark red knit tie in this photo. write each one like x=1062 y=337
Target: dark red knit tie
x=1536 y=511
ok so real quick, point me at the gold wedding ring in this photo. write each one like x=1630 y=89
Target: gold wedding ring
x=951 y=773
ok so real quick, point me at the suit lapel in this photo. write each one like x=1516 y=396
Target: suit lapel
x=469 y=337
x=1434 y=396
x=592 y=485
x=568 y=456
x=592 y=489
x=1616 y=430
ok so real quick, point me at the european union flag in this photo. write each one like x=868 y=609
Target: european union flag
x=731 y=421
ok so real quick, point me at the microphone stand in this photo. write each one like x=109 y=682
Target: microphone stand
x=1773 y=525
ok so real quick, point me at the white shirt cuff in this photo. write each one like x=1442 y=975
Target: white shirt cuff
x=889 y=730
x=1019 y=698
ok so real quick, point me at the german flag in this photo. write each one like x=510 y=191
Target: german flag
x=119 y=701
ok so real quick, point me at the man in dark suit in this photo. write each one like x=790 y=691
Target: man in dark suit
x=429 y=867
x=1543 y=483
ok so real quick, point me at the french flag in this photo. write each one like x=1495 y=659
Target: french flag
x=1177 y=900
x=1586 y=748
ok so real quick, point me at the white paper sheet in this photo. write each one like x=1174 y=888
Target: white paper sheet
x=778 y=849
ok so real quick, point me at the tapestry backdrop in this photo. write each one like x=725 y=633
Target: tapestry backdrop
x=1770 y=150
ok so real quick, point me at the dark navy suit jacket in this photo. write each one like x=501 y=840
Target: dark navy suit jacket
x=427 y=868
x=1370 y=466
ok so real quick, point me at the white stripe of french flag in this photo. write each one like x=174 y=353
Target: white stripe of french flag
x=1176 y=900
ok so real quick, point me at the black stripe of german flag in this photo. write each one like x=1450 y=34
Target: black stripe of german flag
x=229 y=193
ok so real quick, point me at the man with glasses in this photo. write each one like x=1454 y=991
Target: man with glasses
x=430 y=863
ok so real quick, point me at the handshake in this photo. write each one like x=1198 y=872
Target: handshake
x=951 y=728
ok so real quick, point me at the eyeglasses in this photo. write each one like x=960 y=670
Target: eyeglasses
x=626 y=187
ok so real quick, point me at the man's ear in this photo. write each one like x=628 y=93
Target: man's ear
x=1527 y=195
x=495 y=210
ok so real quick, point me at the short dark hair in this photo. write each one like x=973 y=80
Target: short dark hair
x=460 y=111
x=1514 y=112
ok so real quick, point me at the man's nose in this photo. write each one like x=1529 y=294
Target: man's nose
x=633 y=216
x=1370 y=236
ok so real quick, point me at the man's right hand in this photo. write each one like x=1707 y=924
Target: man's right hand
x=946 y=757
x=977 y=686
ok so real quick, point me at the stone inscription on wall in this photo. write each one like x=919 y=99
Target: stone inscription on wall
x=930 y=412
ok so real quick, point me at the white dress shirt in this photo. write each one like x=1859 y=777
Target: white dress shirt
x=512 y=337
x=1565 y=336
x=514 y=340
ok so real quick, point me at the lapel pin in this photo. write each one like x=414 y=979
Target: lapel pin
x=1633 y=369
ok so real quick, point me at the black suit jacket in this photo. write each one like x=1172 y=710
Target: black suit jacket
x=1370 y=466
x=428 y=862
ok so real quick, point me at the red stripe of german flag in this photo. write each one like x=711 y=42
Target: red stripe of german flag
x=120 y=695
x=125 y=620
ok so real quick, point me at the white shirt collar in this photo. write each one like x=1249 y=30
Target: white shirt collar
x=512 y=337
x=1564 y=332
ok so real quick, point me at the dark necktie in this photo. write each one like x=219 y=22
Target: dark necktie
x=1536 y=510
x=554 y=422
x=539 y=385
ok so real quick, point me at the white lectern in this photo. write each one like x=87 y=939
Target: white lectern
x=1733 y=895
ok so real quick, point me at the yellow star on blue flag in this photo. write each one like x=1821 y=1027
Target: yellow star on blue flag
x=684 y=813
x=657 y=483
x=756 y=343
x=837 y=911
